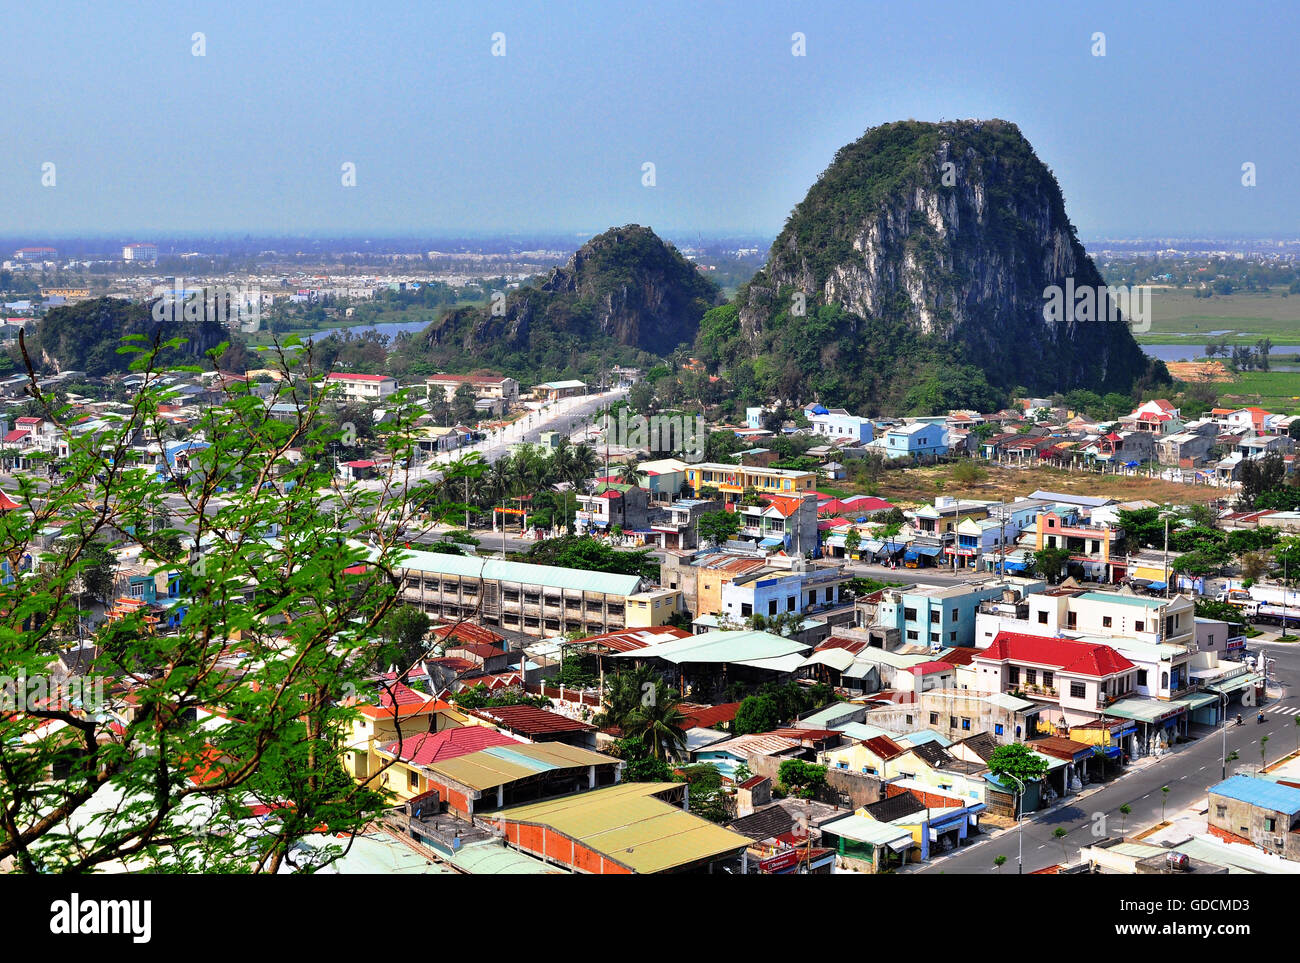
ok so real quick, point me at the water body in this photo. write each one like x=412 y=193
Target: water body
x=1193 y=351
x=392 y=329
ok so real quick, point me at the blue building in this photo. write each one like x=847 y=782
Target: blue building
x=939 y=616
x=917 y=440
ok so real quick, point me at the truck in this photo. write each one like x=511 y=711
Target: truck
x=1283 y=615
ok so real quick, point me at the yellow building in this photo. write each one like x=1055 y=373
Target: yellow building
x=653 y=607
x=735 y=480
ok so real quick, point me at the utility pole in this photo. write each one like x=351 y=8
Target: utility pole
x=1166 y=556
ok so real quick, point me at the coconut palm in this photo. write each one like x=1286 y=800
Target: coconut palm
x=658 y=722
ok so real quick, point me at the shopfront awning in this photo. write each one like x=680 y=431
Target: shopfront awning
x=1197 y=700
x=771 y=543
x=1142 y=709
x=872 y=546
x=1235 y=684
x=1157 y=586
x=930 y=550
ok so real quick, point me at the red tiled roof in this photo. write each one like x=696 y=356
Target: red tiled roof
x=530 y=721
x=18 y=434
x=627 y=640
x=706 y=717
x=395 y=699
x=925 y=668
x=1084 y=658
x=339 y=376
x=884 y=747
x=961 y=655
x=468 y=632
x=427 y=748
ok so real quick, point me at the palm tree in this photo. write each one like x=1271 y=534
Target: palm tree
x=658 y=722
x=628 y=474
x=583 y=465
x=1124 y=811
x=998 y=861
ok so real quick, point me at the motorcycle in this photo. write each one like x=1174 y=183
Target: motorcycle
x=1261 y=717
x=1240 y=721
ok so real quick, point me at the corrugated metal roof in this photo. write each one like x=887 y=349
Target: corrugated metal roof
x=1261 y=793
x=627 y=824
x=721 y=646
x=550 y=576
x=500 y=765
x=863 y=830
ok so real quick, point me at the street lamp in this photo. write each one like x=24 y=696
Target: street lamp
x=1223 y=699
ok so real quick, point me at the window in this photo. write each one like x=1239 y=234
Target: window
x=746 y=609
x=1078 y=690
x=830 y=594
x=997 y=728
x=1042 y=618
x=1270 y=824
x=952 y=637
x=952 y=722
x=965 y=723
x=908 y=719
x=1071 y=620
x=1220 y=812
x=413 y=781
x=789 y=604
x=1031 y=676
x=1047 y=678
x=771 y=607
x=911 y=635
x=935 y=616
x=909 y=614
x=934 y=718
x=1105 y=621
x=1142 y=677
x=934 y=636
x=1139 y=626
x=955 y=616
x=1013 y=675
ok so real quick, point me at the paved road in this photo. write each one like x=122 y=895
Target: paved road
x=1188 y=770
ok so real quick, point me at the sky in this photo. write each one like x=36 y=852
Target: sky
x=446 y=138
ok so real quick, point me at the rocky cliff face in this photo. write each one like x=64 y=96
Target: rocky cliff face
x=625 y=286
x=956 y=229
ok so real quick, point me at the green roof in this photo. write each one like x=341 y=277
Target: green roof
x=730 y=646
x=1146 y=603
x=526 y=573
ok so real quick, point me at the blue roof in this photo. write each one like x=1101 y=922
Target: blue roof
x=1260 y=792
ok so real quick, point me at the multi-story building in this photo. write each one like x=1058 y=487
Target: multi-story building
x=838 y=424
x=362 y=387
x=1079 y=678
x=1091 y=546
x=611 y=506
x=140 y=253
x=503 y=391
x=681 y=528
x=532 y=599
x=733 y=481
x=770 y=594
x=941 y=616
x=1071 y=612
x=781 y=523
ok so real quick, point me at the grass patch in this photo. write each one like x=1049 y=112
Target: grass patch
x=1278 y=391
x=1179 y=318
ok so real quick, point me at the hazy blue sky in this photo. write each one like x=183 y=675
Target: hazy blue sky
x=146 y=137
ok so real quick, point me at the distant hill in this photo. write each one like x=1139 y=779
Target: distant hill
x=921 y=256
x=625 y=293
x=85 y=336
